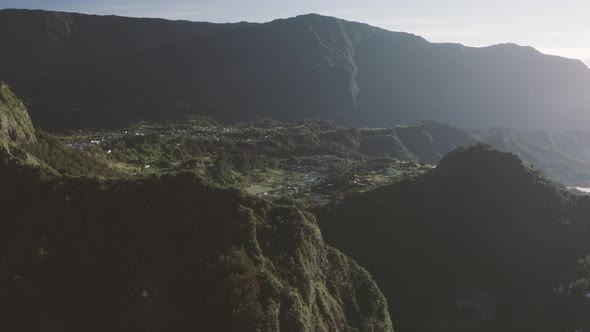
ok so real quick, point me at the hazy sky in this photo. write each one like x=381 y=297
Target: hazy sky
x=554 y=27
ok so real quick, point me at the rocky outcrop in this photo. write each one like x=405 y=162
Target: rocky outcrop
x=15 y=123
x=173 y=254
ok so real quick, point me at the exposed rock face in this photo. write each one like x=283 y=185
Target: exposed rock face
x=95 y=256
x=15 y=123
x=477 y=244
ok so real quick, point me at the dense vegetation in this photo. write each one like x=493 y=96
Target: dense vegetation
x=15 y=124
x=144 y=229
x=70 y=162
x=85 y=248
x=299 y=159
x=171 y=253
x=481 y=243
x=268 y=144
x=81 y=71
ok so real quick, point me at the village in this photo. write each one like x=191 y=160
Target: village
x=315 y=177
x=321 y=185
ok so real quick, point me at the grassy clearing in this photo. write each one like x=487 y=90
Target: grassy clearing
x=257 y=189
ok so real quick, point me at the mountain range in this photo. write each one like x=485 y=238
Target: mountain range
x=78 y=70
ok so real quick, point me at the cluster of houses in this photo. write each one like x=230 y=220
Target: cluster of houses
x=101 y=138
x=305 y=177
x=95 y=139
x=313 y=184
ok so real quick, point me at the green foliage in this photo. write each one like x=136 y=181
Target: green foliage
x=242 y=289
x=67 y=161
x=169 y=253
x=477 y=244
x=15 y=124
x=267 y=144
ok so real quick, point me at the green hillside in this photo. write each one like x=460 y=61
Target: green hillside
x=15 y=124
x=84 y=247
x=478 y=244
x=171 y=253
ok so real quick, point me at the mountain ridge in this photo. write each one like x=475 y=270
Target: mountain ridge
x=15 y=124
x=497 y=234
x=215 y=259
x=309 y=66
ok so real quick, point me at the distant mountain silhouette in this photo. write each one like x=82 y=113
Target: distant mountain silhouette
x=424 y=142
x=564 y=157
x=37 y=43
x=79 y=71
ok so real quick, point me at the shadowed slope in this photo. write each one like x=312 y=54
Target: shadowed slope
x=478 y=244
x=309 y=66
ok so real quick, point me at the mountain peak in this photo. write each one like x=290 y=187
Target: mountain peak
x=480 y=167
x=479 y=153
x=313 y=16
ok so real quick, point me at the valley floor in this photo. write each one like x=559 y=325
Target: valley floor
x=308 y=172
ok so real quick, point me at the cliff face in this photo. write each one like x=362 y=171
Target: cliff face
x=173 y=254
x=15 y=123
